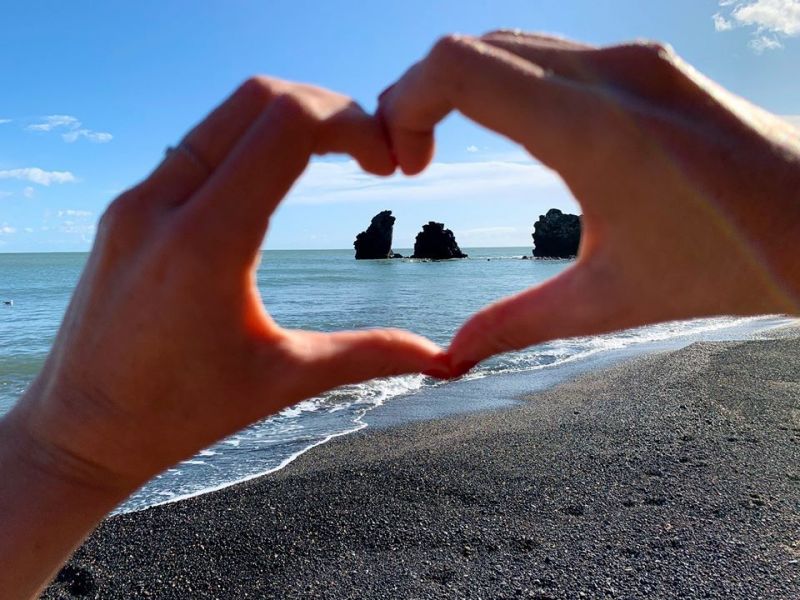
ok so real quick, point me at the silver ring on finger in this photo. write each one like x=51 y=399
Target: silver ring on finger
x=187 y=152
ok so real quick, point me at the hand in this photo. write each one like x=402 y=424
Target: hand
x=166 y=346
x=690 y=195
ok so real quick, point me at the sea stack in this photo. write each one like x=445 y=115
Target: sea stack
x=436 y=243
x=376 y=241
x=556 y=235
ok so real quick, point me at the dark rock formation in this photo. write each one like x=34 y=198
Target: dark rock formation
x=436 y=242
x=556 y=235
x=376 y=241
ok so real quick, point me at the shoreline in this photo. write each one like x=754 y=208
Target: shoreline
x=672 y=474
x=488 y=392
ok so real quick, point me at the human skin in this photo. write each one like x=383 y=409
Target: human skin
x=690 y=195
x=166 y=346
x=690 y=198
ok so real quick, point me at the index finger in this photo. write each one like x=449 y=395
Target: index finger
x=232 y=209
x=550 y=115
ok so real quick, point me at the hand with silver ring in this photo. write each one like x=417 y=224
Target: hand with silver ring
x=166 y=346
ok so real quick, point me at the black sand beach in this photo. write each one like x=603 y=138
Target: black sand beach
x=671 y=476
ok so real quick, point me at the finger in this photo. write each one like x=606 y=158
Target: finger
x=179 y=175
x=228 y=216
x=344 y=127
x=580 y=301
x=554 y=118
x=352 y=131
x=326 y=360
x=647 y=69
x=237 y=201
x=539 y=39
x=561 y=57
x=205 y=148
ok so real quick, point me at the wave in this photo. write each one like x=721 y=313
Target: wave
x=272 y=444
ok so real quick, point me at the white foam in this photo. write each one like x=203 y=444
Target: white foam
x=281 y=465
x=361 y=398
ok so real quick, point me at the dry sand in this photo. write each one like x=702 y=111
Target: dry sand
x=674 y=475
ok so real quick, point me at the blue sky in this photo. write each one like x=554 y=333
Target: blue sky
x=93 y=93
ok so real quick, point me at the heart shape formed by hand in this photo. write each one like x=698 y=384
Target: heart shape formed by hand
x=636 y=135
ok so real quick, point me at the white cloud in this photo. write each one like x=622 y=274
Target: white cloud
x=51 y=122
x=721 y=23
x=5 y=228
x=29 y=192
x=345 y=182
x=4 y=121
x=472 y=148
x=74 y=129
x=764 y=42
x=37 y=175
x=5 y=194
x=777 y=16
x=98 y=137
x=69 y=212
x=491 y=236
x=769 y=20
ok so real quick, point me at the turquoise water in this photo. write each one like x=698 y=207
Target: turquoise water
x=324 y=291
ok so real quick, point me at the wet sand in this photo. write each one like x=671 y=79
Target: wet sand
x=675 y=475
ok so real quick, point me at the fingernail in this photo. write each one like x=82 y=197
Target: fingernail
x=384 y=92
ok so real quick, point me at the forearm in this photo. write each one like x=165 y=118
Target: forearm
x=43 y=514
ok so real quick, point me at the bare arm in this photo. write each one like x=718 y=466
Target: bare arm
x=166 y=346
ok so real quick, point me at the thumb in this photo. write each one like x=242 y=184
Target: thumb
x=579 y=301
x=328 y=360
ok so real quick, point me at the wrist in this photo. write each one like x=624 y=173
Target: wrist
x=48 y=458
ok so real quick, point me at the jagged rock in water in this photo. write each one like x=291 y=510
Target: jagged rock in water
x=376 y=241
x=556 y=235
x=437 y=243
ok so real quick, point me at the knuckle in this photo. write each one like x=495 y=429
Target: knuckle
x=124 y=221
x=451 y=48
x=258 y=87
x=119 y=214
x=652 y=53
x=293 y=109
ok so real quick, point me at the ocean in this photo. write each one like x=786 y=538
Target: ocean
x=327 y=290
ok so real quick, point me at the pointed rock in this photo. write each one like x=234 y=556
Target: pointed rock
x=376 y=241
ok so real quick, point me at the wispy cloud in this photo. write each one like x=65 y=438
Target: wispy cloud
x=770 y=21
x=72 y=129
x=7 y=229
x=344 y=182
x=99 y=137
x=76 y=222
x=472 y=148
x=4 y=194
x=70 y=212
x=29 y=192
x=52 y=122
x=39 y=176
x=4 y=121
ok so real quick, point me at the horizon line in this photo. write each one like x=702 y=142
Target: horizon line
x=261 y=250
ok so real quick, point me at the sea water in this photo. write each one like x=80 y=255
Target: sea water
x=323 y=291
